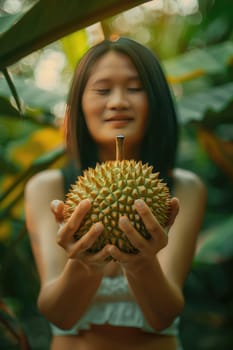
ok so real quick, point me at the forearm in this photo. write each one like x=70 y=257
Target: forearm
x=64 y=300
x=160 y=300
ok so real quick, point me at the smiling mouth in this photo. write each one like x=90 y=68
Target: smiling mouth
x=119 y=120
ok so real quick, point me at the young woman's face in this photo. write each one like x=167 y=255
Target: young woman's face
x=114 y=102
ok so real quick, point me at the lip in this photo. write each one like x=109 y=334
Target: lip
x=119 y=118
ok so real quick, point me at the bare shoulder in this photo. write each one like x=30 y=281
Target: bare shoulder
x=186 y=180
x=47 y=181
x=191 y=192
x=40 y=191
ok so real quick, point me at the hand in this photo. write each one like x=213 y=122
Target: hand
x=79 y=249
x=147 y=248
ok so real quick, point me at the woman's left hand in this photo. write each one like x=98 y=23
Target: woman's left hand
x=146 y=248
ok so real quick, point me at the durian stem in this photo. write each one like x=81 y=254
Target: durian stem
x=120 y=147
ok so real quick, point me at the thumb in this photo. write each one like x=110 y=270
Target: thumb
x=57 y=208
x=174 y=211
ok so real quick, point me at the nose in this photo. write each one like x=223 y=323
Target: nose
x=118 y=99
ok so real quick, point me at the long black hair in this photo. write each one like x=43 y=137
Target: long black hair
x=159 y=146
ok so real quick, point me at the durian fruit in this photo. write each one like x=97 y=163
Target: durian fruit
x=112 y=188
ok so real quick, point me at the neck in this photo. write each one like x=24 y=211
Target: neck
x=109 y=153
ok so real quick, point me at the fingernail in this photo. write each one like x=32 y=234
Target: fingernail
x=98 y=227
x=85 y=202
x=139 y=203
x=123 y=221
x=55 y=203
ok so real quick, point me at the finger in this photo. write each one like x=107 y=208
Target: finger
x=150 y=221
x=79 y=213
x=86 y=241
x=158 y=233
x=116 y=254
x=135 y=238
x=101 y=257
x=65 y=234
x=174 y=211
x=57 y=207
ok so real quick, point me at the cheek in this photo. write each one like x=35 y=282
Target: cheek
x=86 y=105
x=143 y=109
x=91 y=106
x=91 y=111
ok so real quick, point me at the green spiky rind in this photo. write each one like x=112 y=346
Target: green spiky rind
x=113 y=187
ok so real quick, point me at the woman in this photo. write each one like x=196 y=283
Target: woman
x=131 y=301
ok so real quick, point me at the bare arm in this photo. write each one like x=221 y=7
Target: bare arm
x=156 y=275
x=62 y=277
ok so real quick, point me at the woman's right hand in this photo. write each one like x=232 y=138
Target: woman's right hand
x=65 y=238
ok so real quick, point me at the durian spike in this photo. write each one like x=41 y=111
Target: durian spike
x=120 y=147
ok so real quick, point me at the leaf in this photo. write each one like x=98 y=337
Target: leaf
x=75 y=45
x=32 y=96
x=6 y=109
x=13 y=89
x=23 y=152
x=8 y=20
x=13 y=330
x=219 y=151
x=50 y=20
x=217 y=243
x=11 y=197
x=207 y=106
x=198 y=62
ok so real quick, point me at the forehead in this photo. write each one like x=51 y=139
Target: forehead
x=113 y=63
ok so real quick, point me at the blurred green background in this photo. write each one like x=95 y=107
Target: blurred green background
x=40 y=43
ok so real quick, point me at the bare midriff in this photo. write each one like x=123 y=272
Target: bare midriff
x=106 y=337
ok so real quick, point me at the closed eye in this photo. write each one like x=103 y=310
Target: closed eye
x=102 y=91
x=136 y=89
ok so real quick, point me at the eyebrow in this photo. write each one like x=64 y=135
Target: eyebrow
x=107 y=80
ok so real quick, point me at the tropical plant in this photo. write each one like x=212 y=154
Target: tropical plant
x=198 y=64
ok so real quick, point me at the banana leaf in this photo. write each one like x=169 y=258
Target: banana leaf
x=43 y=162
x=7 y=20
x=13 y=90
x=74 y=46
x=49 y=20
x=6 y=108
x=208 y=106
x=217 y=244
x=11 y=332
x=32 y=96
x=199 y=62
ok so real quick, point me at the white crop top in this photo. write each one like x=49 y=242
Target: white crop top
x=114 y=304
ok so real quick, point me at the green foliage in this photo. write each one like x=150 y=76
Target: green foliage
x=198 y=64
x=215 y=246
x=210 y=107
x=54 y=20
x=75 y=45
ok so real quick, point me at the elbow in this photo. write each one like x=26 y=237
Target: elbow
x=162 y=325
x=52 y=316
x=41 y=305
x=179 y=305
x=165 y=319
x=63 y=325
